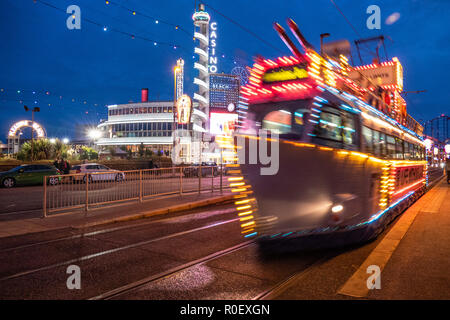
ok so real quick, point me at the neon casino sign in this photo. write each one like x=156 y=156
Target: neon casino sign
x=212 y=51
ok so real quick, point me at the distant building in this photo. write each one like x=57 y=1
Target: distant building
x=3 y=148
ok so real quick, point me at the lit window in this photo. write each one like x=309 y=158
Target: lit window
x=278 y=121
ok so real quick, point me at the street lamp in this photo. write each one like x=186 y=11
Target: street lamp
x=35 y=109
x=176 y=69
x=94 y=134
x=323 y=35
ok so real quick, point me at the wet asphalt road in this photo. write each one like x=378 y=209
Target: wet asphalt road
x=113 y=256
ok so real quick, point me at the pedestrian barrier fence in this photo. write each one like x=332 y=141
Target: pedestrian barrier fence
x=88 y=190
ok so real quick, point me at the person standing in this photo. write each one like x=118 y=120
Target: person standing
x=66 y=167
x=56 y=163
x=447 y=169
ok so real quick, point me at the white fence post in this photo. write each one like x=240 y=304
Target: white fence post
x=45 y=198
x=86 y=206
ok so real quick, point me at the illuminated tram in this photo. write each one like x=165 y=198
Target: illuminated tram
x=350 y=158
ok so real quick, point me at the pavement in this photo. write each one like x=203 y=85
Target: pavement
x=419 y=266
x=112 y=214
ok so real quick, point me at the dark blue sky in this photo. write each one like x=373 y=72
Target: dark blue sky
x=90 y=65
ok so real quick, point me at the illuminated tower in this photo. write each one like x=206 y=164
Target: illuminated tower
x=179 y=78
x=201 y=34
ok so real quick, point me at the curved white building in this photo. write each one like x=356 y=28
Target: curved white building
x=150 y=123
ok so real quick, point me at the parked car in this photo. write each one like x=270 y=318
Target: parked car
x=193 y=170
x=99 y=173
x=29 y=174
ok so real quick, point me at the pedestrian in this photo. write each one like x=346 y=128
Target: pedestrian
x=150 y=164
x=447 y=168
x=55 y=163
x=66 y=167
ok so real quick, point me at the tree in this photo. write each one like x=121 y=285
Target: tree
x=88 y=153
x=112 y=151
x=43 y=149
x=141 y=150
x=148 y=153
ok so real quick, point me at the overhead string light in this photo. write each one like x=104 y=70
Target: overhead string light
x=110 y=29
x=157 y=20
x=22 y=96
x=143 y=14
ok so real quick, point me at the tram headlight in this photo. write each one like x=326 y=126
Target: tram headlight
x=337 y=208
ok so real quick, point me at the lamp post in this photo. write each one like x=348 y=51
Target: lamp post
x=176 y=69
x=323 y=35
x=35 y=109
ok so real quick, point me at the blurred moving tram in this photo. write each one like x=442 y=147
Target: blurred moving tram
x=350 y=159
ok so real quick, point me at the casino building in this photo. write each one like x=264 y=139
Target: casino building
x=212 y=110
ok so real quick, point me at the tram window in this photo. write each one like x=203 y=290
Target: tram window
x=406 y=153
x=299 y=121
x=410 y=151
x=398 y=148
x=348 y=128
x=278 y=121
x=390 y=146
x=367 y=134
x=329 y=126
x=382 y=143
x=416 y=152
x=376 y=143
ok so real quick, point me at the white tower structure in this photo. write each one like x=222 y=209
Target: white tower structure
x=201 y=109
x=180 y=78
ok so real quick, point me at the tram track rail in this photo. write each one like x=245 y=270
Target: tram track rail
x=103 y=231
x=171 y=272
x=278 y=288
x=114 y=250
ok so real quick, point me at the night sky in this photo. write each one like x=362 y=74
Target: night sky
x=96 y=68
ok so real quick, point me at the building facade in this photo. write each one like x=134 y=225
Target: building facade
x=223 y=91
x=149 y=123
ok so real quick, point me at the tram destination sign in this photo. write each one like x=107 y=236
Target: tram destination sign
x=285 y=73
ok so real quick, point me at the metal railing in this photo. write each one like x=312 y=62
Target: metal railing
x=87 y=190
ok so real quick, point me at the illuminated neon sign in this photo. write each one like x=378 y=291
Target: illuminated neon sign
x=212 y=51
x=286 y=78
x=26 y=123
x=184 y=104
x=294 y=72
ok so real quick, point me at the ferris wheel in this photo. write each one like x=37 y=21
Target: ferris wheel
x=242 y=73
